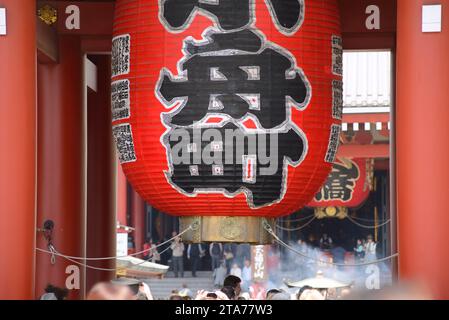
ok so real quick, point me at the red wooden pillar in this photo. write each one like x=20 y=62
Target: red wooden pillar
x=18 y=148
x=121 y=195
x=138 y=220
x=422 y=143
x=61 y=195
x=101 y=215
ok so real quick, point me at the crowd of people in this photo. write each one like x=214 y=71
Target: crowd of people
x=232 y=271
x=133 y=289
x=231 y=289
x=224 y=258
x=364 y=249
x=235 y=259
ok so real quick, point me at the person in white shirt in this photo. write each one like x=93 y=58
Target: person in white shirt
x=236 y=271
x=219 y=275
x=177 y=248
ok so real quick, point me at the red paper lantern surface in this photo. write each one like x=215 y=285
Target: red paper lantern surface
x=148 y=44
x=347 y=185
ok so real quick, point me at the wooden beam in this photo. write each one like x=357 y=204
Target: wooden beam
x=356 y=35
x=382 y=164
x=95 y=18
x=96 y=45
x=366 y=117
x=364 y=151
x=47 y=43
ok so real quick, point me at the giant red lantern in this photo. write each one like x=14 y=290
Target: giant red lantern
x=185 y=73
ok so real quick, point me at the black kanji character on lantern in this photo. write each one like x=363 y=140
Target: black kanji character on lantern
x=340 y=182
x=240 y=78
x=287 y=14
x=254 y=163
x=231 y=14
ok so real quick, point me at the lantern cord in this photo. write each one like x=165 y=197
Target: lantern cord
x=311 y=215
x=296 y=220
x=298 y=228
x=369 y=220
x=190 y=227
x=269 y=229
x=365 y=226
x=55 y=253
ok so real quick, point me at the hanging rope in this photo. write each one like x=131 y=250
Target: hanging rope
x=365 y=226
x=368 y=220
x=115 y=257
x=55 y=253
x=268 y=228
x=298 y=228
x=296 y=220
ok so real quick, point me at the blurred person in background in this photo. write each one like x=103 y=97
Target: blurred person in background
x=278 y=295
x=185 y=291
x=243 y=252
x=216 y=254
x=311 y=294
x=236 y=270
x=229 y=292
x=214 y=295
x=54 y=293
x=235 y=283
x=246 y=275
x=177 y=248
x=370 y=249
x=219 y=275
x=359 y=251
x=155 y=256
x=271 y=292
x=228 y=254
x=147 y=249
x=110 y=291
x=195 y=252
x=325 y=242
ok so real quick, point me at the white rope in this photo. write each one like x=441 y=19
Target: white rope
x=368 y=220
x=270 y=231
x=365 y=226
x=54 y=253
x=297 y=220
x=89 y=266
x=115 y=257
x=298 y=228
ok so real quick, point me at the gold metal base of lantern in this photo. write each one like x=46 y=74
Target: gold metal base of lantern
x=226 y=229
x=331 y=212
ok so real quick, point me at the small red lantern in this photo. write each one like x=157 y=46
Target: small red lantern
x=185 y=73
x=348 y=184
